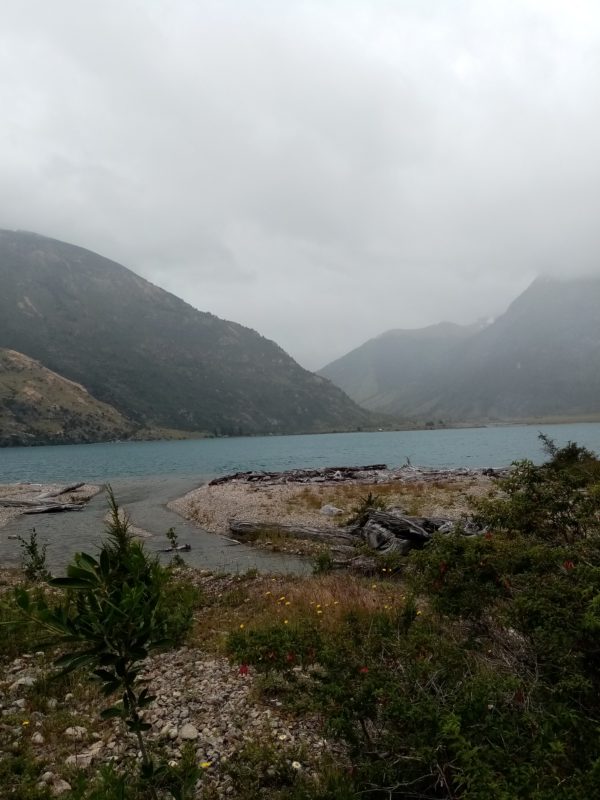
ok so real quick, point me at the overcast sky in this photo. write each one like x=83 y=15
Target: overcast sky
x=319 y=171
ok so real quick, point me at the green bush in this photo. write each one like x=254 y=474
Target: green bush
x=558 y=501
x=486 y=682
x=114 y=611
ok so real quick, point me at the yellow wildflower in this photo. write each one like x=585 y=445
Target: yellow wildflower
x=206 y=764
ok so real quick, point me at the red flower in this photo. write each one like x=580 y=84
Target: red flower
x=568 y=565
x=290 y=657
x=363 y=670
x=487 y=535
x=243 y=669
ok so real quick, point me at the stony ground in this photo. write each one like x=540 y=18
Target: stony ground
x=203 y=700
x=212 y=507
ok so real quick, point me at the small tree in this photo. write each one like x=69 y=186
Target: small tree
x=110 y=619
x=33 y=558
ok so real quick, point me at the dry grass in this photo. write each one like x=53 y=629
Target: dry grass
x=213 y=507
x=419 y=498
x=256 y=602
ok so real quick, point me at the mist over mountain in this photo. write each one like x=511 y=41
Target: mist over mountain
x=153 y=357
x=541 y=358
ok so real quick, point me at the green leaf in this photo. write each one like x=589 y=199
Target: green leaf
x=113 y=711
x=71 y=662
x=70 y=583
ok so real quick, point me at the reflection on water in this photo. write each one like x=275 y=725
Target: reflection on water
x=145 y=501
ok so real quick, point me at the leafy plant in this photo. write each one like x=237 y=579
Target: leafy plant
x=33 y=558
x=557 y=501
x=360 y=511
x=322 y=562
x=111 y=618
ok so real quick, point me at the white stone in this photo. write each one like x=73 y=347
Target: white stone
x=189 y=732
x=330 y=511
x=81 y=760
x=25 y=681
x=37 y=738
x=76 y=732
x=60 y=787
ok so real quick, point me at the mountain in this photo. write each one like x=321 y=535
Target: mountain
x=38 y=406
x=150 y=355
x=540 y=359
x=387 y=373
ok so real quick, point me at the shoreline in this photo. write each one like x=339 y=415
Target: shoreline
x=326 y=505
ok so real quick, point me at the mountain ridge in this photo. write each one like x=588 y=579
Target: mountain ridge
x=539 y=359
x=152 y=356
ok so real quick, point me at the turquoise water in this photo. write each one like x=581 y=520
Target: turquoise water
x=476 y=447
x=146 y=475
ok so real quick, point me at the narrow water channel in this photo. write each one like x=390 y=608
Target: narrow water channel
x=145 y=500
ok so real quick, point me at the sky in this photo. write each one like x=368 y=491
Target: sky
x=319 y=171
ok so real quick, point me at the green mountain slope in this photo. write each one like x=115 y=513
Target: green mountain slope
x=38 y=406
x=541 y=358
x=152 y=356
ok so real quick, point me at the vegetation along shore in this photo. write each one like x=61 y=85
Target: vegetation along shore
x=463 y=667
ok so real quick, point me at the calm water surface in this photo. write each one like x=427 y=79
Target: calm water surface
x=146 y=475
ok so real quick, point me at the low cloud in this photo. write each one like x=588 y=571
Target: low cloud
x=319 y=172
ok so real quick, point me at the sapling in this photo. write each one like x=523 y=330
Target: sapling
x=110 y=619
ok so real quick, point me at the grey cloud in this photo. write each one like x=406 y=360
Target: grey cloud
x=318 y=171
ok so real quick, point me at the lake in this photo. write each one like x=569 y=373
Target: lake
x=200 y=458
x=146 y=475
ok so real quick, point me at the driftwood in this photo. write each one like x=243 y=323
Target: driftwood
x=71 y=488
x=180 y=548
x=251 y=530
x=53 y=508
x=300 y=475
x=44 y=503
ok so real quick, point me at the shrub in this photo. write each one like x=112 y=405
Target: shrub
x=114 y=612
x=558 y=501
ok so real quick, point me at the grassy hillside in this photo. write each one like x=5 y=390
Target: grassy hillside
x=37 y=406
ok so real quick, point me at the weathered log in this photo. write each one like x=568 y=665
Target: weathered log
x=400 y=525
x=251 y=530
x=299 y=475
x=71 y=488
x=180 y=548
x=54 y=508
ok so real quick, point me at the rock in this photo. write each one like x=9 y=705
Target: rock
x=330 y=511
x=37 y=738
x=79 y=760
x=69 y=696
x=76 y=732
x=189 y=732
x=47 y=777
x=60 y=787
x=25 y=681
x=52 y=703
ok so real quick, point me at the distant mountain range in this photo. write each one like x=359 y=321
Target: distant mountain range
x=540 y=359
x=155 y=360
